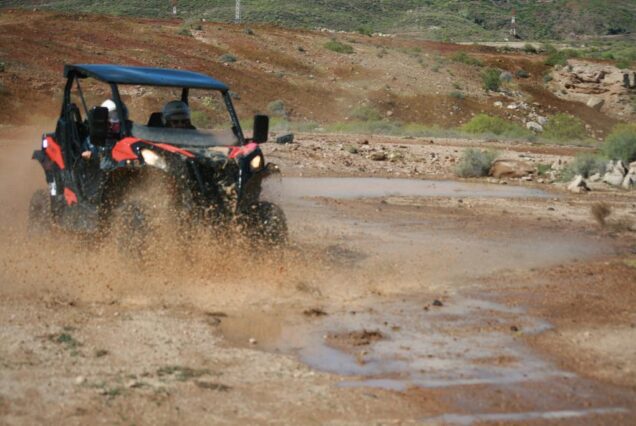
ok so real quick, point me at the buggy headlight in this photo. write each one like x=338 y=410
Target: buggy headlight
x=256 y=163
x=153 y=159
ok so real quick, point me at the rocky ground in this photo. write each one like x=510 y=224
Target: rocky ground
x=444 y=302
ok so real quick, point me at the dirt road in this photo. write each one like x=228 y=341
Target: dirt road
x=410 y=301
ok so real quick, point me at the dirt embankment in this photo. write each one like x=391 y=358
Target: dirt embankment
x=402 y=79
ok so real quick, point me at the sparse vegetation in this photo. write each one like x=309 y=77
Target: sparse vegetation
x=543 y=169
x=465 y=58
x=621 y=143
x=338 y=47
x=184 y=31
x=529 y=48
x=585 y=165
x=365 y=113
x=487 y=124
x=457 y=95
x=564 y=127
x=181 y=373
x=365 y=30
x=490 y=79
x=475 y=163
x=227 y=58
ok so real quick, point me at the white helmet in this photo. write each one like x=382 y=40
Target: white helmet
x=176 y=110
x=112 y=110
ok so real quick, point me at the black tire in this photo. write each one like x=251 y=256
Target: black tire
x=265 y=223
x=40 y=219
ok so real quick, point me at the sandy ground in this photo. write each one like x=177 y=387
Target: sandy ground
x=449 y=302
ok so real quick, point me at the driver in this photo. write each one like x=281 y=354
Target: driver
x=114 y=127
x=176 y=115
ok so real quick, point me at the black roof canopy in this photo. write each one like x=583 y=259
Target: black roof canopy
x=146 y=76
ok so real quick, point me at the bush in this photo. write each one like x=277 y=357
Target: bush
x=227 y=58
x=277 y=107
x=338 y=47
x=585 y=165
x=486 y=124
x=465 y=58
x=529 y=48
x=457 y=95
x=184 y=31
x=475 y=163
x=365 y=30
x=490 y=78
x=564 y=127
x=621 y=143
x=365 y=113
x=522 y=74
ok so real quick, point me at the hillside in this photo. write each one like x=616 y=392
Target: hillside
x=432 y=19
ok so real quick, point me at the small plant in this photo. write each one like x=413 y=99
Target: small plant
x=600 y=212
x=529 y=48
x=543 y=169
x=277 y=107
x=522 y=74
x=184 y=31
x=465 y=58
x=564 y=127
x=181 y=373
x=585 y=165
x=475 y=163
x=365 y=30
x=490 y=79
x=487 y=124
x=338 y=47
x=365 y=113
x=457 y=95
x=621 y=143
x=547 y=78
x=227 y=58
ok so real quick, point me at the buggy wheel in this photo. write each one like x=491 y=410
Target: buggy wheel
x=39 y=220
x=130 y=229
x=265 y=223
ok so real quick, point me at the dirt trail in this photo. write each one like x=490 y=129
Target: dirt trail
x=437 y=306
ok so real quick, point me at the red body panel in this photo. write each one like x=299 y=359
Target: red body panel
x=123 y=151
x=242 y=150
x=70 y=197
x=54 y=152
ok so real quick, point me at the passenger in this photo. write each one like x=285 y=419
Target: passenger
x=114 y=128
x=176 y=115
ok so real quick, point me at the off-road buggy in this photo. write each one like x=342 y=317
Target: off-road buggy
x=213 y=179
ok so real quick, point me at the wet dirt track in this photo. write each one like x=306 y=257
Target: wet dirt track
x=421 y=302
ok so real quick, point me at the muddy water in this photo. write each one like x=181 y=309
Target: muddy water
x=382 y=187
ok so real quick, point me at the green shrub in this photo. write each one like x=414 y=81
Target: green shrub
x=585 y=165
x=465 y=58
x=457 y=95
x=277 y=107
x=560 y=57
x=490 y=78
x=543 y=169
x=338 y=47
x=529 y=48
x=227 y=58
x=365 y=113
x=184 y=31
x=365 y=30
x=486 y=124
x=564 y=127
x=475 y=163
x=621 y=143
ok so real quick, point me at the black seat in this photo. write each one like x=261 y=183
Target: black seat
x=155 y=120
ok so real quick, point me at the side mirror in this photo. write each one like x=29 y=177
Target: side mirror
x=98 y=125
x=261 y=128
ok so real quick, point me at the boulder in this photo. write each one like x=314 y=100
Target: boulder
x=596 y=177
x=542 y=120
x=615 y=175
x=629 y=181
x=578 y=185
x=510 y=169
x=498 y=104
x=505 y=76
x=378 y=156
x=534 y=126
x=596 y=103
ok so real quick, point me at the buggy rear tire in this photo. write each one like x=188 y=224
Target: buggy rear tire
x=266 y=224
x=40 y=219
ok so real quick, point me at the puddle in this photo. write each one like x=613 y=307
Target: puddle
x=345 y=188
x=469 y=419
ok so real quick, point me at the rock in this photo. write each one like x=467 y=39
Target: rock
x=630 y=181
x=527 y=178
x=389 y=113
x=252 y=341
x=351 y=149
x=542 y=120
x=395 y=156
x=512 y=106
x=378 y=156
x=437 y=302
x=632 y=167
x=498 y=104
x=616 y=173
x=596 y=103
x=578 y=185
x=510 y=168
x=535 y=127
x=80 y=380
x=505 y=76
x=596 y=177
